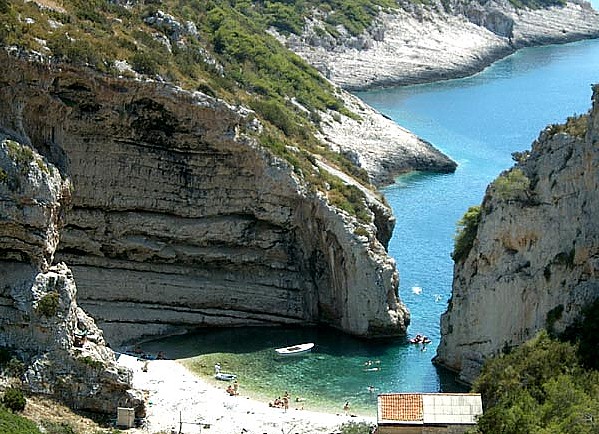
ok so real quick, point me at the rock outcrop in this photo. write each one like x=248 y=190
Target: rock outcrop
x=63 y=351
x=418 y=44
x=534 y=263
x=380 y=146
x=180 y=219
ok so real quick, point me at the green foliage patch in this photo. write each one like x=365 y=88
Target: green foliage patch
x=91 y=362
x=537 y=4
x=539 y=388
x=20 y=154
x=231 y=56
x=58 y=428
x=576 y=126
x=355 y=428
x=13 y=399
x=584 y=333
x=48 y=304
x=467 y=227
x=512 y=185
x=15 y=424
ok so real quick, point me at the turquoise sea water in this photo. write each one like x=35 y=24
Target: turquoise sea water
x=478 y=121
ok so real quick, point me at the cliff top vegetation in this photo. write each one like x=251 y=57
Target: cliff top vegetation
x=219 y=47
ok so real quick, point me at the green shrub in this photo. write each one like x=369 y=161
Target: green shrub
x=576 y=126
x=58 y=428
x=15 y=424
x=512 y=185
x=15 y=367
x=466 y=233
x=537 y=4
x=79 y=51
x=91 y=362
x=14 y=399
x=355 y=428
x=22 y=155
x=144 y=63
x=4 y=6
x=361 y=231
x=539 y=387
x=350 y=199
x=48 y=304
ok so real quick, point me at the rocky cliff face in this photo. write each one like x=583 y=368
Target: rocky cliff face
x=180 y=219
x=63 y=350
x=535 y=261
x=440 y=41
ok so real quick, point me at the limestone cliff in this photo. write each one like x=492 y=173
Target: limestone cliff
x=181 y=219
x=63 y=351
x=535 y=260
x=448 y=39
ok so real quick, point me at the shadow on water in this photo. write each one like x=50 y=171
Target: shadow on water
x=247 y=340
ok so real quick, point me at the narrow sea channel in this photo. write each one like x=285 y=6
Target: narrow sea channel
x=478 y=121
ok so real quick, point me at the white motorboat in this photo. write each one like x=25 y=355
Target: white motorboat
x=295 y=349
x=224 y=376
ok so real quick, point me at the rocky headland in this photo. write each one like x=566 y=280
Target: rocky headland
x=422 y=43
x=534 y=260
x=61 y=352
x=180 y=219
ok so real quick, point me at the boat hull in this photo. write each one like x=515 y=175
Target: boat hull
x=295 y=350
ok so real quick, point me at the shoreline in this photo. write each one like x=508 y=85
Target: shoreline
x=172 y=392
x=426 y=46
x=458 y=73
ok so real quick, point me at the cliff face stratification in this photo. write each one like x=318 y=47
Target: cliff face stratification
x=422 y=43
x=63 y=352
x=180 y=219
x=535 y=260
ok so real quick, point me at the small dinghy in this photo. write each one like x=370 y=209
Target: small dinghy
x=295 y=349
x=225 y=377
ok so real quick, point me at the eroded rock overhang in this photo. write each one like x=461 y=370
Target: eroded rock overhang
x=181 y=220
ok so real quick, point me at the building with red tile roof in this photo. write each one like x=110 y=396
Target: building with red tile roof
x=424 y=413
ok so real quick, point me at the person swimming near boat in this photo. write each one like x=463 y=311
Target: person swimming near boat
x=420 y=339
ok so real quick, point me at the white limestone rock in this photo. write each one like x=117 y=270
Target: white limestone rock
x=535 y=260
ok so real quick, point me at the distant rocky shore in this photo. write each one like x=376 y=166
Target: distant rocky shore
x=421 y=44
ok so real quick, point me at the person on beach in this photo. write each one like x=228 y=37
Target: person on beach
x=217 y=368
x=346 y=407
x=286 y=401
x=236 y=387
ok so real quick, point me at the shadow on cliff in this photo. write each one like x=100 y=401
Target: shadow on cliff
x=245 y=340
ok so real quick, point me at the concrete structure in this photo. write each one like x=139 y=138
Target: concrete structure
x=427 y=413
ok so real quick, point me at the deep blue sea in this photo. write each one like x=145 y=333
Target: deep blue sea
x=478 y=121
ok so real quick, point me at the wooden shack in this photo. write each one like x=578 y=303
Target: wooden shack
x=427 y=413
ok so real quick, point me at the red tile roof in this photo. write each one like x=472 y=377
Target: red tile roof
x=404 y=407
